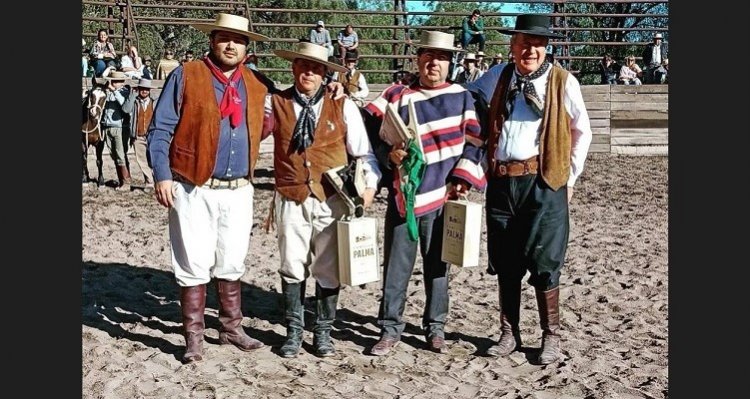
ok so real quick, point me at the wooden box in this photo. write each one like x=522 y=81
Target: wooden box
x=359 y=262
x=462 y=227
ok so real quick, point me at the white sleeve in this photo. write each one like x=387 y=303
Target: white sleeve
x=358 y=144
x=364 y=91
x=580 y=128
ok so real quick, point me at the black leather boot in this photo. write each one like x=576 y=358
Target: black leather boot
x=294 y=316
x=326 y=300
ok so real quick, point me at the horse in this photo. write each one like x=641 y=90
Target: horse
x=91 y=112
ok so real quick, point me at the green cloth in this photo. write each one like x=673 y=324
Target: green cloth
x=413 y=167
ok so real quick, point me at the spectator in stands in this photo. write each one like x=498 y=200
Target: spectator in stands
x=456 y=62
x=132 y=64
x=472 y=30
x=355 y=84
x=471 y=72
x=148 y=70
x=103 y=53
x=653 y=55
x=348 y=42
x=630 y=73
x=84 y=59
x=498 y=59
x=322 y=37
x=166 y=65
x=140 y=107
x=312 y=134
x=450 y=156
x=189 y=56
x=115 y=130
x=609 y=70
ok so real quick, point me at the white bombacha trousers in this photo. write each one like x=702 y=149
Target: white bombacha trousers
x=209 y=230
x=308 y=243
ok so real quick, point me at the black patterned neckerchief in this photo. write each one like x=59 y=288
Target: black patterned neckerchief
x=304 y=130
x=523 y=84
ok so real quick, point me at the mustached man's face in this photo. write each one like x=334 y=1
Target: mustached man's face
x=228 y=49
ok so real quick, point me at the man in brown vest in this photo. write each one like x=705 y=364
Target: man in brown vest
x=538 y=138
x=355 y=84
x=203 y=143
x=140 y=107
x=312 y=134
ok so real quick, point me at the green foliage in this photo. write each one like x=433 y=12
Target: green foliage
x=455 y=22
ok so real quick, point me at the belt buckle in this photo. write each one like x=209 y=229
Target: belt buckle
x=526 y=168
x=233 y=184
x=502 y=169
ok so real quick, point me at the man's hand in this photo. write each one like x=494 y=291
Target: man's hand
x=570 y=193
x=368 y=196
x=163 y=193
x=336 y=89
x=457 y=191
x=397 y=154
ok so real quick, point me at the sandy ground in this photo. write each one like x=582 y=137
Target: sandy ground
x=613 y=305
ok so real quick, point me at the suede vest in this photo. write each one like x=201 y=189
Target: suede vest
x=143 y=118
x=351 y=84
x=192 y=153
x=299 y=174
x=555 y=140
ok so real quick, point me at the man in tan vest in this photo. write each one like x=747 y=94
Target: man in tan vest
x=312 y=134
x=140 y=107
x=538 y=138
x=203 y=143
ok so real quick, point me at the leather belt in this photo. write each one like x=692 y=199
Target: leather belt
x=216 y=184
x=516 y=168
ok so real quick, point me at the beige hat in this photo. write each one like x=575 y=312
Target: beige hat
x=437 y=40
x=658 y=36
x=231 y=23
x=470 y=57
x=499 y=55
x=116 y=75
x=312 y=52
x=145 y=83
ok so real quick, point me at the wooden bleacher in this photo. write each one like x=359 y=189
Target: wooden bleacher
x=630 y=120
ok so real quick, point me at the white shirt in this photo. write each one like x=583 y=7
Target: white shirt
x=357 y=142
x=656 y=54
x=364 y=90
x=519 y=138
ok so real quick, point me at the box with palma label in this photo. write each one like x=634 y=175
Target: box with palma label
x=462 y=227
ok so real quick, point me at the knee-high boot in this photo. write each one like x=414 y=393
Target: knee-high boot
x=294 y=316
x=193 y=304
x=326 y=300
x=510 y=308
x=549 y=318
x=230 y=316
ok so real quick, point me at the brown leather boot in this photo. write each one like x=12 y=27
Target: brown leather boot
x=230 y=316
x=549 y=318
x=123 y=175
x=510 y=332
x=193 y=304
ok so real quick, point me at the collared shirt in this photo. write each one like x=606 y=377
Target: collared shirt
x=357 y=142
x=322 y=38
x=113 y=113
x=232 y=155
x=519 y=138
x=656 y=54
x=348 y=40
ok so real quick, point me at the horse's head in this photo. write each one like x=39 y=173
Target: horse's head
x=95 y=102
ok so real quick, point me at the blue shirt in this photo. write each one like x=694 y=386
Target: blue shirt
x=232 y=156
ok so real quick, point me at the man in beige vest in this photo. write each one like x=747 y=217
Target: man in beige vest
x=538 y=138
x=312 y=134
x=203 y=143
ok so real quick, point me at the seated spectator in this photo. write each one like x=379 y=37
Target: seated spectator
x=471 y=72
x=321 y=37
x=653 y=55
x=348 y=42
x=131 y=64
x=166 y=65
x=609 y=70
x=354 y=82
x=630 y=73
x=148 y=70
x=472 y=30
x=103 y=53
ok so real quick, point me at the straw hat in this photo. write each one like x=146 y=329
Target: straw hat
x=231 y=23
x=470 y=57
x=437 y=40
x=312 y=52
x=658 y=36
x=116 y=75
x=145 y=83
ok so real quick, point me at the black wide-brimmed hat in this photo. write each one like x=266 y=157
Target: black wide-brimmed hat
x=532 y=24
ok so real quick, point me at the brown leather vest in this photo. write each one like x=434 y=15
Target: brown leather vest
x=299 y=174
x=192 y=153
x=351 y=84
x=143 y=118
x=555 y=140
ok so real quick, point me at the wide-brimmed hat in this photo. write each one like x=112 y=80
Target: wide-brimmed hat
x=312 y=52
x=532 y=24
x=351 y=56
x=437 y=40
x=231 y=23
x=658 y=36
x=145 y=83
x=116 y=75
x=499 y=55
x=470 y=57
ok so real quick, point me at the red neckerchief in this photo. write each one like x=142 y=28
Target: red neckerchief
x=230 y=103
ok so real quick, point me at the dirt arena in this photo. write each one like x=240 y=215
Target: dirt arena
x=613 y=305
